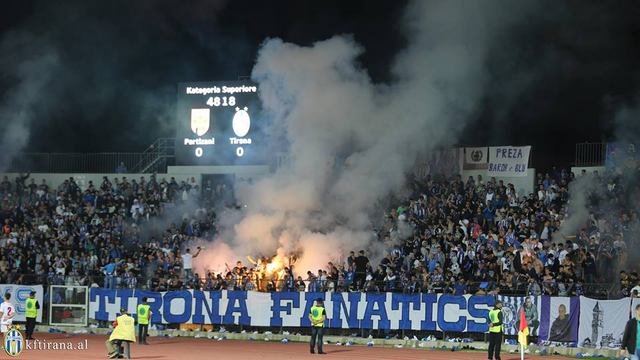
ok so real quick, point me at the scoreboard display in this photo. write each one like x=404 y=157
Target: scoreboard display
x=218 y=124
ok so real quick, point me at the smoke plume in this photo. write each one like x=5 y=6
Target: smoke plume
x=608 y=201
x=26 y=88
x=86 y=76
x=351 y=141
x=579 y=209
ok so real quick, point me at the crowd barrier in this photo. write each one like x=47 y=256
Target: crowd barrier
x=592 y=290
x=573 y=321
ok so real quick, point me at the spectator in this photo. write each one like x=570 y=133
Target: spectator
x=361 y=267
x=121 y=169
x=187 y=263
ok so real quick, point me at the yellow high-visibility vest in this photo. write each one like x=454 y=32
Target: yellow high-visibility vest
x=316 y=315
x=126 y=329
x=493 y=318
x=31 y=311
x=143 y=314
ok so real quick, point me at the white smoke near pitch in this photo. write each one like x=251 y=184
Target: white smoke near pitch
x=25 y=89
x=610 y=198
x=351 y=141
x=578 y=212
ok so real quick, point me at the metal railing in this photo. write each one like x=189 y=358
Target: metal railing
x=155 y=158
x=161 y=154
x=593 y=290
x=73 y=162
x=590 y=154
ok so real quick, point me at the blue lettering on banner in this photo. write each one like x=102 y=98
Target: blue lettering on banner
x=239 y=297
x=21 y=295
x=428 y=300
x=509 y=153
x=351 y=313
x=375 y=307
x=293 y=301
x=498 y=167
x=443 y=324
x=405 y=301
x=183 y=317
x=213 y=311
x=102 y=295
x=124 y=295
x=475 y=313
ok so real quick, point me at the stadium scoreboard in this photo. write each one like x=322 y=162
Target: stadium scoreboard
x=218 y=124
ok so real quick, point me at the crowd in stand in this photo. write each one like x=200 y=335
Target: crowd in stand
x=481 y=237
x=454 y=235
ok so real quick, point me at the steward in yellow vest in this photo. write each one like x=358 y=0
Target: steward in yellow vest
x=31 y=314
x=124 y=331
x=495 y=331
x=317 y=316
x=144 y=318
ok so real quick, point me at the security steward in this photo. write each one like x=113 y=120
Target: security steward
x=495 y=331
x=144 y=316
x=317 y=316
x=124 y=333
x=31 y=314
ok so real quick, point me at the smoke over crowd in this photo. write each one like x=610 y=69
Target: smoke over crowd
x=603 y=206
x=467 y=73
x=351 y=142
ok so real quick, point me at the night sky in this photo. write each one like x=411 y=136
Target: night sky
x=563 y=76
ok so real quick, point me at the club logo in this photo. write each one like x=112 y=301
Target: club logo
x=13 y=342
x=200 y=119
x=241 y=122
x=476 y=155
x=508 y=315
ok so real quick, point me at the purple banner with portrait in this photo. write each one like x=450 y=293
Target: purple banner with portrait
x=559 y=321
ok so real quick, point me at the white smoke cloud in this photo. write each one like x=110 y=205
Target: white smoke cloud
x=577 y=210
x=25 y=91
x=352 y=141
x=609 y=199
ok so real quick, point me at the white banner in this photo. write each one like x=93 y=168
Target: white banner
x=511 y=306
x=508 y=161
x=602 y=322
x=476 y=155
x=20 y=294
x=428 y=312
x=593 y=323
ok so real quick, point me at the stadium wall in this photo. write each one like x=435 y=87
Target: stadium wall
x=524 y=185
